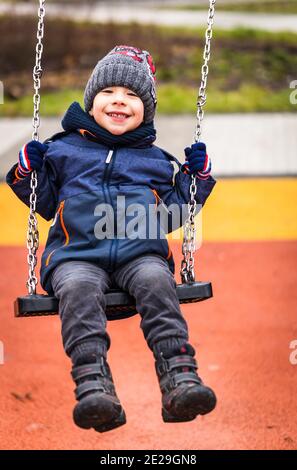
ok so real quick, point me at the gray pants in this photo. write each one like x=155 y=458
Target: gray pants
x=80 y=288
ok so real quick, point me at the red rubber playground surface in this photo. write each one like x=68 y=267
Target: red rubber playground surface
x=242 y=337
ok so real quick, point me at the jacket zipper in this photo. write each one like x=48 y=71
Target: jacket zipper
x=60 y=213
x=109 y=162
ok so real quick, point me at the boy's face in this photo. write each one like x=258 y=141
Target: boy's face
x=117 y=109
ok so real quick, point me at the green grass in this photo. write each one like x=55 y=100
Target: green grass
x=248 y=98
x=250 y=70
x=269 y=6
x=52 y=104
x=172 y=99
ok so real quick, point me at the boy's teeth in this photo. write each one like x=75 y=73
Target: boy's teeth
x=117 y=115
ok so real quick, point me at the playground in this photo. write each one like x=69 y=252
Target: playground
x=242 y=336
x=245 y=336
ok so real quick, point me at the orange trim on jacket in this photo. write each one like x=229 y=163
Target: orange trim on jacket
x=60 y=213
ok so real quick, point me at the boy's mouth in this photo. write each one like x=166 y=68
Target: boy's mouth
x=119 y=117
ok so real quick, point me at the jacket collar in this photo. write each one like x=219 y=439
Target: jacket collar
x=76 y=119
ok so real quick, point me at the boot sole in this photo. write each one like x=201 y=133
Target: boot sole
x=190 y=406
x=116 y=423
x=100 y=412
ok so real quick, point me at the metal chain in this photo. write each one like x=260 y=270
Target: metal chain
x=187 y=271
x=32 y=232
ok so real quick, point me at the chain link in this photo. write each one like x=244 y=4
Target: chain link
x=32 y=232
x=187 y=271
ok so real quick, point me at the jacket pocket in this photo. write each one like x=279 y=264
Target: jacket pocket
x=59 y=216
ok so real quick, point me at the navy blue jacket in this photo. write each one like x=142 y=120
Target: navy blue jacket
x=79 y=176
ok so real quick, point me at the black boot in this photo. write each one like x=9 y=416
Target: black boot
x=98 y=405
x=184 y=396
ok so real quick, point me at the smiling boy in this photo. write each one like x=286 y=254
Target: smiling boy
x=107 y=152
x=118 y=110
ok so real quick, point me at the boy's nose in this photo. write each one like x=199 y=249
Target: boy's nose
x=119 y=98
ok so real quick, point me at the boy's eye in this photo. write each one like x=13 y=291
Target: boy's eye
x=109 y=91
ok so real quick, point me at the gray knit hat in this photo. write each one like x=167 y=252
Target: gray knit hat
x=129 y=67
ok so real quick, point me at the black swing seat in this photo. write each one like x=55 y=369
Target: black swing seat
x=119 y=304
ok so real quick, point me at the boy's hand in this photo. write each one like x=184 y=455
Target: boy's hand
x=197 y=161
x=31 y=157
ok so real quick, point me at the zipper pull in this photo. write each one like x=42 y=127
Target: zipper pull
x=61 y=206
x=160 y=201
x=109 y=156
x=164 y=205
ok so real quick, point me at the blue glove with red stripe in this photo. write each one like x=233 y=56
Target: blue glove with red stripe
x=197 y=161
x=31 y=158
